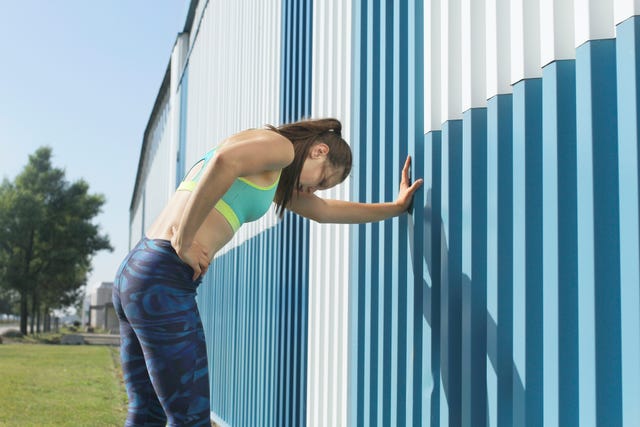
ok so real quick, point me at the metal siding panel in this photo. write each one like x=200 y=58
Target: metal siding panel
x=432 y=242
x=355 y=412
x=232 y=75
x=596 y=83
x=328 y=274
x=560 y=245
x=527 y=236
x=135 y=225
x=525 y=40
x=594 y=20
x=499 y=260
x=452 y=282
x=474 y=261
x=628 y=157
x=498 y=39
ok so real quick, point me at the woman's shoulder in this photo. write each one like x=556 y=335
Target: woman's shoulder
x=268 y=145
x=264 y=134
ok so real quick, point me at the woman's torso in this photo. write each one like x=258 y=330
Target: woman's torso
x=215 y=231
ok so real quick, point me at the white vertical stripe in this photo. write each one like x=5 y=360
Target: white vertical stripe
x=451 y=60
x=474 y=58
x=525 y=40
x=594 y=20
x=556 y=31
x=135 y=226
x=498 y=47
x=177 y=65
x=432 y=68
x=329 y=244
x=625 y=9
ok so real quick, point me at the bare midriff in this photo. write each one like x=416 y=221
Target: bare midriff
x=215 y=231
x=213 y=234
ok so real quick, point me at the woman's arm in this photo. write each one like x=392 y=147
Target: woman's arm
x=249 y=152
x=342 y=212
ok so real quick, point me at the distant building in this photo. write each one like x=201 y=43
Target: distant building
x=98 y=309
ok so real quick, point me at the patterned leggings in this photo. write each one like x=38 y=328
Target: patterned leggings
x=164 y=357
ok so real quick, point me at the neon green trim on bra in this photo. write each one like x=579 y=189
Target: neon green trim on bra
x=246 y=181
x=228 y=214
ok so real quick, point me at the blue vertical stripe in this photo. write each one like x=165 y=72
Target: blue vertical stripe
x=420 y=378
x=357 y=286
x=597 y=127
x=387 y=321
x=451 y=296
x=432 y=246
x=500 y=260
x=182 y=137
x=560 y=243
x=628 y=78
x=474 y=265
x=527 y=237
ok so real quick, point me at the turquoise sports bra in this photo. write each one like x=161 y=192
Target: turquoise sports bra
x=243 y=202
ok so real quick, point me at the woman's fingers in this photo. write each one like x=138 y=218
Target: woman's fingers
x=405 y=170
x=196 y=272
x=416 y=185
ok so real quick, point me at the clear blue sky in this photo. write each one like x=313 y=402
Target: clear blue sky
x=81 y=76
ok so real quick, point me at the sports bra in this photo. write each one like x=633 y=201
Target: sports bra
x=243 y=202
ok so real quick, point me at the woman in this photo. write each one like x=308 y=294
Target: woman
x=163 y=349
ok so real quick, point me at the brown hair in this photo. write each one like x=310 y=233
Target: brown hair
x=304 y=134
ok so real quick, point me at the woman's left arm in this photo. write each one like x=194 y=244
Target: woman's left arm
x=342 y=212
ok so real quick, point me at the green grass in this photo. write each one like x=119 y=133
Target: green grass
x=54 y=385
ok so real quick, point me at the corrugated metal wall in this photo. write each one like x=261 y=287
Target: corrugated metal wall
x=329 y=243
x=386 y=312
x=533 y=209
x=249 y=65
x=510 y=295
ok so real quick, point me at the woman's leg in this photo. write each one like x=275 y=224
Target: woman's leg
x=144 y=406
x=158 y=302
x=176 y=359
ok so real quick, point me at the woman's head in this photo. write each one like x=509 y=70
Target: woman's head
x=322 y=158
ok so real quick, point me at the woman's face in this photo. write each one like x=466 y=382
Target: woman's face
x=317 y=172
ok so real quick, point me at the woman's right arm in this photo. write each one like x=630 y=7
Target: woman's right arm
x=249 y=152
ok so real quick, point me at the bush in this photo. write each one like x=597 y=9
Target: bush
x=12 y=333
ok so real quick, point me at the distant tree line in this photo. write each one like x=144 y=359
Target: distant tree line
x=47 y=240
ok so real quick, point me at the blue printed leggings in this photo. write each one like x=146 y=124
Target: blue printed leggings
x=164 y=357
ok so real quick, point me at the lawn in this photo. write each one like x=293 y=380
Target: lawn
x=56 y=385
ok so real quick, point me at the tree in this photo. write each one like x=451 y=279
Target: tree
x=47 y=238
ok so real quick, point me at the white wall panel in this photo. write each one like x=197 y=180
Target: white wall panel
x=226 y=94
x=474 y=47
x=594 y=20
x=498 y=47
x=525 y=40
x=135 y=226
x=158 y=182
x=178 y=59
x=432 y=56
x=329 y=243
x=451 y=57
x=625 y=9
x=556 y=30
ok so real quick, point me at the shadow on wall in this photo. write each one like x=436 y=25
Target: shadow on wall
x=518 y=386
